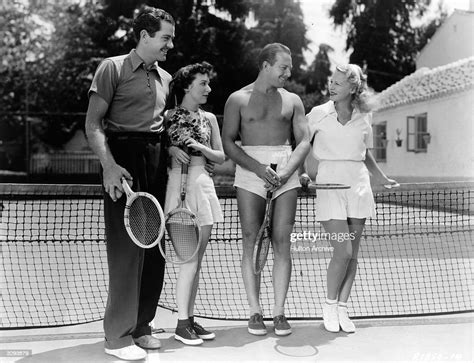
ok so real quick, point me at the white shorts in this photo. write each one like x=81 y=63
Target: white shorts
x=356 y=202
x=201 y=194
x=264 y=154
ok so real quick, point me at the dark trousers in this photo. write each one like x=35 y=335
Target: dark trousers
x=135 y=274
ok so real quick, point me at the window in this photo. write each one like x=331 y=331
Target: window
x=380 y=141
x=417 y=133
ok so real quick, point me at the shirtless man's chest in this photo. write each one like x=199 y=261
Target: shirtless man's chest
x=266 y=118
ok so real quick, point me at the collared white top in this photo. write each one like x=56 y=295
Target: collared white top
x=334 y=141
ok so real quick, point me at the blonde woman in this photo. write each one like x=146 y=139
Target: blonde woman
x=342 y=134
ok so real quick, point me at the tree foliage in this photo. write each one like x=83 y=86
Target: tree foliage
x=382 y=36
x=320 y=70
x=52 y=52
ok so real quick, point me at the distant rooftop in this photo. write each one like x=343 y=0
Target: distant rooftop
x=428 y=83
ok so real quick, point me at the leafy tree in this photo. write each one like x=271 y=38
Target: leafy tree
x=227 y=44
x=319 y=71
x=382 y=36
x=24 y=43
x=282 y=21
x=49 y=55
x=426 y=31
x=67 y=41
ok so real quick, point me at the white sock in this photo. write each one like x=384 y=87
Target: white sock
x=331 y=302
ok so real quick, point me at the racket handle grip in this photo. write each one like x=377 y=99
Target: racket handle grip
x=184 y=167
x=274 y=168
x=184 y=175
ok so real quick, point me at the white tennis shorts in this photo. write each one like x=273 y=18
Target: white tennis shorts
x=356 y=202
x=201 y=194
x=265 y=154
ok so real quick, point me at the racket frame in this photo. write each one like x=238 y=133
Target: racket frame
x=267 y=221
x=328 y=186
x=131 y=196
x=182 y=208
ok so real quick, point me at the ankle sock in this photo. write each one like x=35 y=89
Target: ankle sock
x=255 y=310
x=278 y=310
x=183 y=323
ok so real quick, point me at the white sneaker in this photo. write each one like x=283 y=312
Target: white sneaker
x=330 y=317
x=132 y=352
x=346 y=324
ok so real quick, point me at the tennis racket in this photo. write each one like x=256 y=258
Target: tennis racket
x=143 y=217
x=323 y=186
x=183 y=229
x=264 y=235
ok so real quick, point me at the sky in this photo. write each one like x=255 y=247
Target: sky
x=320 y=28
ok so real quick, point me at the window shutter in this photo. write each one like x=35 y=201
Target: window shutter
x=411 y=133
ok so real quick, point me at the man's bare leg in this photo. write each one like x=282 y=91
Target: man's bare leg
x=251 y=211
x=284 y=209
x=282 y=226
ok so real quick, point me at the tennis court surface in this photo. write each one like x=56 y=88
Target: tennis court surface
x=435 y=339
x=412 y=297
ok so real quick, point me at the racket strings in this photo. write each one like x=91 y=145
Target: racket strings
x=184 y=236
x=263 y=241
x=180 y=218
x=145 y=220
x=263 y=249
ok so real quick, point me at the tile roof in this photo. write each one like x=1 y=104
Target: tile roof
x=428 y=83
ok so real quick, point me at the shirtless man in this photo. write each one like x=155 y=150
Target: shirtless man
x=266 y=116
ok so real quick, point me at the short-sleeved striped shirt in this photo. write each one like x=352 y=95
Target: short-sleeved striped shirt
x=136 y=96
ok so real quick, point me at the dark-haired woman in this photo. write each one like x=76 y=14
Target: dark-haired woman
x=188 y=125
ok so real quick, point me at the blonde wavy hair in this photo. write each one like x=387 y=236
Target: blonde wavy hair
x=362 y=99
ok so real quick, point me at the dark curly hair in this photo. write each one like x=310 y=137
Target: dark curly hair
x=149 y=18
x=183 y=78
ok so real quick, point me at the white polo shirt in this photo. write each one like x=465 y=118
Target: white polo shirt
x=334 y=141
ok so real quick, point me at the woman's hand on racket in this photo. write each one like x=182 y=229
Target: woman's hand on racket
x=179 y=155
x=304 y=180
x=113 y=180
x=387 y=182
x=190 y=142
x=390 y=183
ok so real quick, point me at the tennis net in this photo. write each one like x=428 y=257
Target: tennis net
x=415 y=258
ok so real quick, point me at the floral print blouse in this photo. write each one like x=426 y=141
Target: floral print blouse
x=183 y=124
